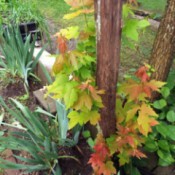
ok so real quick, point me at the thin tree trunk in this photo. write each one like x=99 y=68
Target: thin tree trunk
x=164 y=45
x=108 y=24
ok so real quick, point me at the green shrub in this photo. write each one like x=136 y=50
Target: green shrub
x=162 y=140
x=17 y=59
x=39 y=135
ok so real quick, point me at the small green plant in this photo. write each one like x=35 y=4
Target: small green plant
x=17 y=57
x=38 y=135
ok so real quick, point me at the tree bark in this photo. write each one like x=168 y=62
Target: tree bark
x=164 y=45
x=108 y=26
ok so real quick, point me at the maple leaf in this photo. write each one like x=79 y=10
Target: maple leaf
x=73 y=60
x=83 y=117
x=75 y=118
x=112 y=144
x=142 y=74
x=62 y=43
x=144 y=118
x=132 y=88
x=71 y=94
x=77 y=13
x=84 y=100
x=100 y=159
x=155 y=85
x=138 y=154
x=107 y=168
x=136 y=90
x=95 y=94
x=59 y=64
x=70 y=32
x=125 y=136
x=94 y=117
x=131 y=113
x=124 y=158
x=57 y=88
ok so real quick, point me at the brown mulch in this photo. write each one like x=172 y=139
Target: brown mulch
x=82 y=152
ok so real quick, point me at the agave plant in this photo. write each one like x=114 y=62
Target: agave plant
x=39 y=137
x=17 y=57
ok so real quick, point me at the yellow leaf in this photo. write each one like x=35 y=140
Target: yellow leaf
x=145 y=118
x=59 y=64
x=70 y=32
x=72 y=15
x=155 y=85
x=83 y=100
x=73 y=60
x=109 y=168
x=77 y=13
x=131 y=113
x=94 y=117
x=75 y=118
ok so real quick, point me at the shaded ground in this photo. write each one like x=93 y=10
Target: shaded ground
x=69 y=166
x=82 y=152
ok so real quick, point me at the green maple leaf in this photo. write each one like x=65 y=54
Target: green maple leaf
x=75 y=118
x=132 y=26
x=112 y=144
x=130 y=29
x=123 y=158
x=82 y=118
x=70 y=94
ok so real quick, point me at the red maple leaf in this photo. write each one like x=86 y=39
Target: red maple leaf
x=100 y=159
x=142 y=74
x=62 y=43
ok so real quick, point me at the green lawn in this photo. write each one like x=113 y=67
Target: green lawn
x=155 y=6
x=54 y=10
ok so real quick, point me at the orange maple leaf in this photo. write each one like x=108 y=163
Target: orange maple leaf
x=79 y=3
x=61 y=43
x=100 y=159
x=142 y=74
x=95 y=94
x=145 y=119
x=137 y=153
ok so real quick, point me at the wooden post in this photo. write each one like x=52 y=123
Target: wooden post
x=108 y=27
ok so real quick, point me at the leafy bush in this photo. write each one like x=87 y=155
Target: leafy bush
x=162 y=140
x=17 y=57
x=21 y=11
x=38 y=136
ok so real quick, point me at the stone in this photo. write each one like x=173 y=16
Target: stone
x=47 y=61
x=47 y=103
x=154 y=24
x=168 y=170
